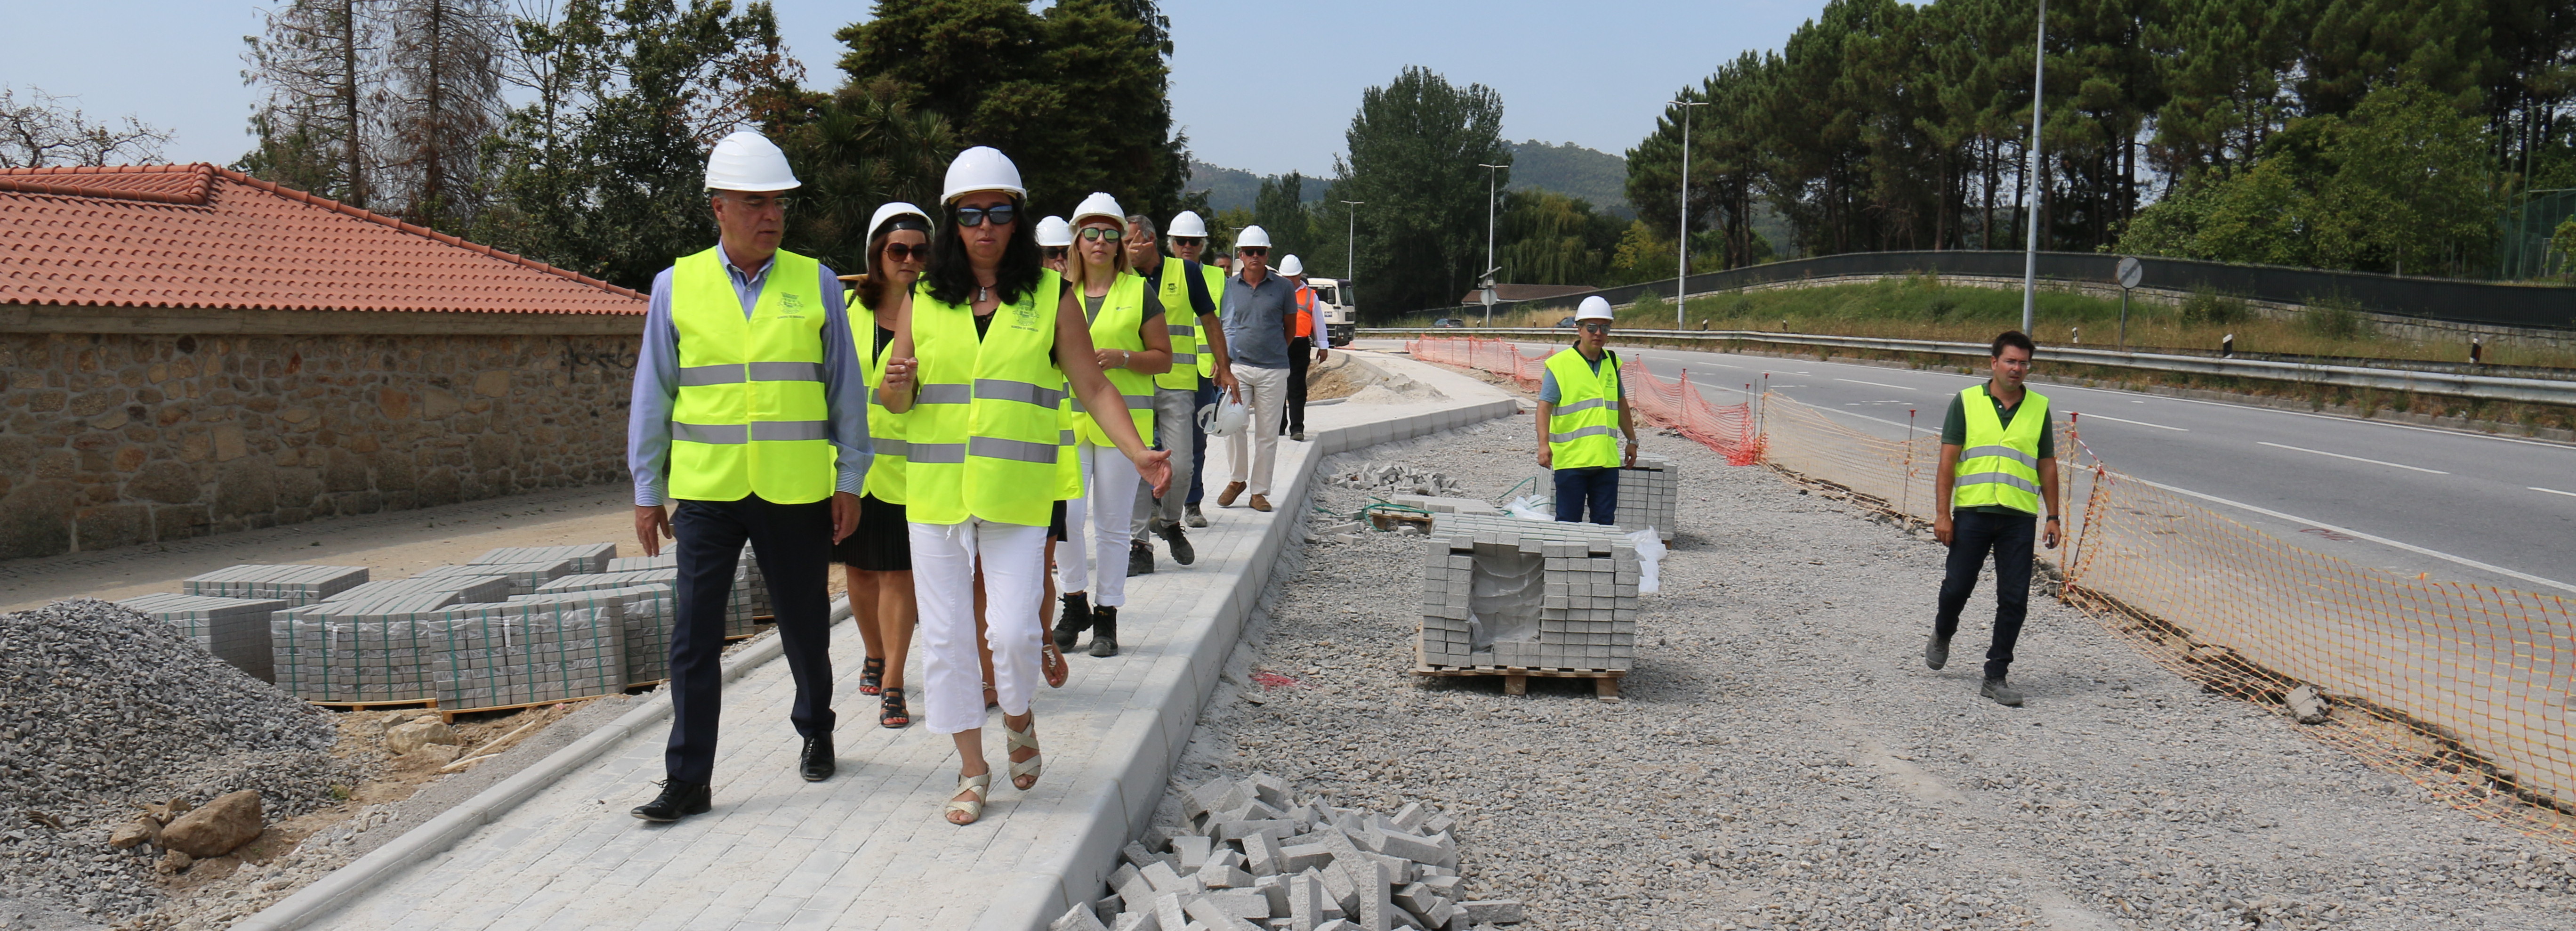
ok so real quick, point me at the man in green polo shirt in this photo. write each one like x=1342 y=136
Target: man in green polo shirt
x=1998 y=467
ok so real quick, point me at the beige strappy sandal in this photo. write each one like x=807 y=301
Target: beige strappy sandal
x=1030 y=767
x=982 y=786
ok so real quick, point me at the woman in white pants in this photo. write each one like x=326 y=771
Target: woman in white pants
x=1131 y=346
x=978 y=368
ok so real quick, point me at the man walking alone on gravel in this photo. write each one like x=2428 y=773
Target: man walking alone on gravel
x=1998 y=466
x=1580 y=398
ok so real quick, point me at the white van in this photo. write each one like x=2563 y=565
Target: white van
x=1334 y=304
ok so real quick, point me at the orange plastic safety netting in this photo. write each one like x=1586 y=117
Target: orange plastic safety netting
x=2468 y=690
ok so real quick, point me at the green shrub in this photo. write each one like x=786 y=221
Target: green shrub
x=2335 y=317
x=2207 y=306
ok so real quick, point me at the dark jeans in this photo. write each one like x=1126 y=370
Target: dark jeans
x=1198 y=444
x=1301 y=353
x=794 y=545
x=1972 y=534
x=1598 y=487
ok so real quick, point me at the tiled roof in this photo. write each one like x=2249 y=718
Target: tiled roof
x=206 y=237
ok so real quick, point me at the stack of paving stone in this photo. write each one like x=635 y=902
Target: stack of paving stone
x=1251 y=857
x=543 y=648
x=235 y=630
x=586 y=558
x=376 y=650
x=466 y=588
x=525 y=577
x=646 y=611
x=1438 y=505
x=295 y=585
x=1507 y=593
x=750 y=588
x=1650 y=495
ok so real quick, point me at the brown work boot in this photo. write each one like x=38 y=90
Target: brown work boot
x=1261 y=503
x=1226 y=498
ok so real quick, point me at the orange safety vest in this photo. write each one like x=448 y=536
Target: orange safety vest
x=1305 y=313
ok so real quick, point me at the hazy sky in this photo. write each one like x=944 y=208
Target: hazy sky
x=1254 y=88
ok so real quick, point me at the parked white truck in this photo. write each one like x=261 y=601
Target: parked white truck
x=1334 y=305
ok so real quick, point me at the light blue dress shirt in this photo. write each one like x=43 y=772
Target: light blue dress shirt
x=657 y=387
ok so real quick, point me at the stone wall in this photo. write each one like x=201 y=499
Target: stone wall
x=119 y=438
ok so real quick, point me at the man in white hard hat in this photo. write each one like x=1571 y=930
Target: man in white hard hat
x=1189 y=240
x=1580 y=401
x=1301 y=347
x=1198 y=359
x=1055 y=238
x=1259 y=308
x=749 y=409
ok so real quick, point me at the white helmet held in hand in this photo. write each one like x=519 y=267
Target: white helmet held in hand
x=1593 y=308
x=982 y=168
x=1054 y=232
x=1226 y=417
x=1187 y=225
x=1252 y=236
x=748 y=161
x=1100 y=205
x=1292 y=268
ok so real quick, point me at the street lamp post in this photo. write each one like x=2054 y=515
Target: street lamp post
x=1350 y=257
x=1492 y=172
x=1681 y=275
x=2030 y=181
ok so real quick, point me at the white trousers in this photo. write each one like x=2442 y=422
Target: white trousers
x=1266 y=392
x=943 y=581
x=1108 y=500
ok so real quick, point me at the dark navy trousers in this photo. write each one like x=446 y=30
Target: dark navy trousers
x=794 y=545
x=1580 y=490
x=1973 y=534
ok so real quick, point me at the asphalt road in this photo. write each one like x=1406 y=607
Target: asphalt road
x=2468 y=507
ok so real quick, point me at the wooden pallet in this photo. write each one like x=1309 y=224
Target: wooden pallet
x=1605 y=682
x=375 y=705
x=450 y=716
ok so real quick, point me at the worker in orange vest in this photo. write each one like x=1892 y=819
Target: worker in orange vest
x=1301 y=340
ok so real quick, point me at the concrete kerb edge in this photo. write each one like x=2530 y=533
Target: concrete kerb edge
x=440 y=834
x=1133 y=791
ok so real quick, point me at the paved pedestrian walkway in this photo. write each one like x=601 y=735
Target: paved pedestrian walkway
x=868 y=848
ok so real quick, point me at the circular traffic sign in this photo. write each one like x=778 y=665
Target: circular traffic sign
x=2131 y=271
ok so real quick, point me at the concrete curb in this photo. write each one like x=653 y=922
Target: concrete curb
x=442 y=832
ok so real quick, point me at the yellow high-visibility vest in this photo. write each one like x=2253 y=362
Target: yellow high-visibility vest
x=1216 y=292
x=986 y=431
x=1181 y=319
x=1583 y=427
x=1999 y=464
x=1119 y=325
x=750 y=418
x=885 y=428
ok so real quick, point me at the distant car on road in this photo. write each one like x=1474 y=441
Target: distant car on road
x=1448 y=322
x=1565 y=324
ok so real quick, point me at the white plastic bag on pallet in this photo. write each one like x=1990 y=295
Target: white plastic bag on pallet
x=1531 y=507
x=1650 y=550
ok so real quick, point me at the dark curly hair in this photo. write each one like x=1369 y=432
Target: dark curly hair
x=952 y=280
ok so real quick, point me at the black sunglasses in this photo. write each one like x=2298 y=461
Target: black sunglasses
x=1188 y=240
x=1594 y=327
x=905 y=252
x=1251 y=250
x=1000 y=214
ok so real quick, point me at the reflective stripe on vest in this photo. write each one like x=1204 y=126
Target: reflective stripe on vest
x=1181 y=319
x=1215 y=278
x=1583 y=425
x=885 y=428
x=2000 y=462
x=1120 y=325
x=750 y=417
x=989 y=406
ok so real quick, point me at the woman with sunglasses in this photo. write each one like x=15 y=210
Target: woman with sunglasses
x=1132 y=345
x=877 y=558
x=978 y=367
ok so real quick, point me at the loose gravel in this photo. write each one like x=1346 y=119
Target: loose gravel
x=103 y=710
x=1782 y=758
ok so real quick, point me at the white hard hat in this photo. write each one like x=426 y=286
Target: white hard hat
x=748 y=161
x=1252 y=236
x=1053 y=231
x=1291 y=267
x=1226 y=417
x=1188 y=224
x=1593 y=308
x=1100 y=205
x=891 y=211
x=982 y=168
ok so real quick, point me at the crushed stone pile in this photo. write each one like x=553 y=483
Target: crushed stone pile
x=1249 y=853
x=104 y=710
x=1396 y=478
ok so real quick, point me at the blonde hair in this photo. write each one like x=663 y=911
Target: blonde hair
x=1077 y=272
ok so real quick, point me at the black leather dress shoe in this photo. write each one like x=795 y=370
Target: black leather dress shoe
x=817 y=762
x=678 y=800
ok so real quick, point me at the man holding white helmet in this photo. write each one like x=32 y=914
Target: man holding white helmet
x=1580 y=401
x=1259 y=308
x=751 y=404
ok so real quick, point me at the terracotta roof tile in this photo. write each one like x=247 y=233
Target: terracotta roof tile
x=202 y=236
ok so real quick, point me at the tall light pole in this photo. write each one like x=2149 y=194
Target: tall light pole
x=1350 y=253
x=2030 y=179
x=1681 y=275
x=1492 y=172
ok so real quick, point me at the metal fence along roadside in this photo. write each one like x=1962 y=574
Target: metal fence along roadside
x=2467 y=690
